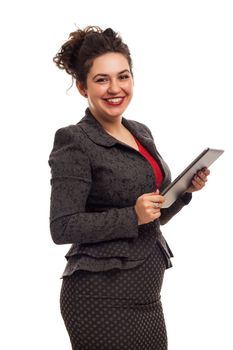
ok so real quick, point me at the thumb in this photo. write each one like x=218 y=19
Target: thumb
x=152 y=193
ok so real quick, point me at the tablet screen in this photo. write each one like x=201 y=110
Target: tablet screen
x=182 y=182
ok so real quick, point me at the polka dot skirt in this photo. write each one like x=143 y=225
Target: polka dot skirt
x=117 y=309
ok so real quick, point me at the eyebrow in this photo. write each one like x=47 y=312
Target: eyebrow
x=106 y=75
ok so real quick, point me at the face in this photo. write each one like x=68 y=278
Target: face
x=109 y=86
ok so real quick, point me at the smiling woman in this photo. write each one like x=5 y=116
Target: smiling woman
x=108 y=93
x=105 y=201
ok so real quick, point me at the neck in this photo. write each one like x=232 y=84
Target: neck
x=112 y=126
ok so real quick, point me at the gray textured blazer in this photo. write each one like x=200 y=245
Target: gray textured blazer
x=95 y=181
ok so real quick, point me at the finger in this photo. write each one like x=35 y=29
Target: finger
x=200 y=183
x=153 y=210
x=155 y=215
x=156 y=205
x=153 y=205
x=202 y=175
x=200 y=178
x=148 y=204
x=156 y=198
x=206 y=171
x=197 y=185
x=151 y=214
x=151 y=193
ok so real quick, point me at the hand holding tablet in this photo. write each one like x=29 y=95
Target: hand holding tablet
x=183 y=181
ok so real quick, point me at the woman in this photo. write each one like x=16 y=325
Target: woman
x=105 y=201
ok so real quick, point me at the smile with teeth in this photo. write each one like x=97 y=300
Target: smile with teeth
x=115 y=100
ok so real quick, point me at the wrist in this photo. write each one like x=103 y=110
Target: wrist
x=137 y=215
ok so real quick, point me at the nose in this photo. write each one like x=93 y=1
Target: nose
x=114 y=87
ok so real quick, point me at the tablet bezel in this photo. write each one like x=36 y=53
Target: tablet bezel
x=182 y=182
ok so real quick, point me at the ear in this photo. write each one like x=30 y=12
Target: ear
x=82 y=90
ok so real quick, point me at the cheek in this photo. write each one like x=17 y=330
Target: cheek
x=99 y=91
x=129 y=88
x=95 y=90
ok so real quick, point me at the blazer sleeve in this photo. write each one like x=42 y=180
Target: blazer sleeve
x=71 y=181
x=168 y=213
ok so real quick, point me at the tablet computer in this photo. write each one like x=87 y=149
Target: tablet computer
x=183 y=181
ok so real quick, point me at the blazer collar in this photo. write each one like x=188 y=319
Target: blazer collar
x=95 y=131
x=98 y=135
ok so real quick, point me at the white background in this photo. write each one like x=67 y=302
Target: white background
x=182 y=53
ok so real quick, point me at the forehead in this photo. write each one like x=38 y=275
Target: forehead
x=109 y=63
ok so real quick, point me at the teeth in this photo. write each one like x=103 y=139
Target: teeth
x=114 y=100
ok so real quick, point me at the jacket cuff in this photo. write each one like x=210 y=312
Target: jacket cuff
x=186 y=198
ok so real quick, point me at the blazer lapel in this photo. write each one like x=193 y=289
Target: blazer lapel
x=98 y=135
x=95 y=131
x=147 y=141
x=140 y=134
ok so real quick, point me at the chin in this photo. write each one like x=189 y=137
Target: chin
x=115 y=111
x=115 y=114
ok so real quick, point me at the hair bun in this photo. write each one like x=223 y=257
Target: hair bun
x=109 y=32
x=77 y=54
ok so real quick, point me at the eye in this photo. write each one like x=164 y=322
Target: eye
x=124 y=76
x=101 y=80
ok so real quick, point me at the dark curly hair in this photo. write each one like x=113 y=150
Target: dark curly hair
x=77 y=54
